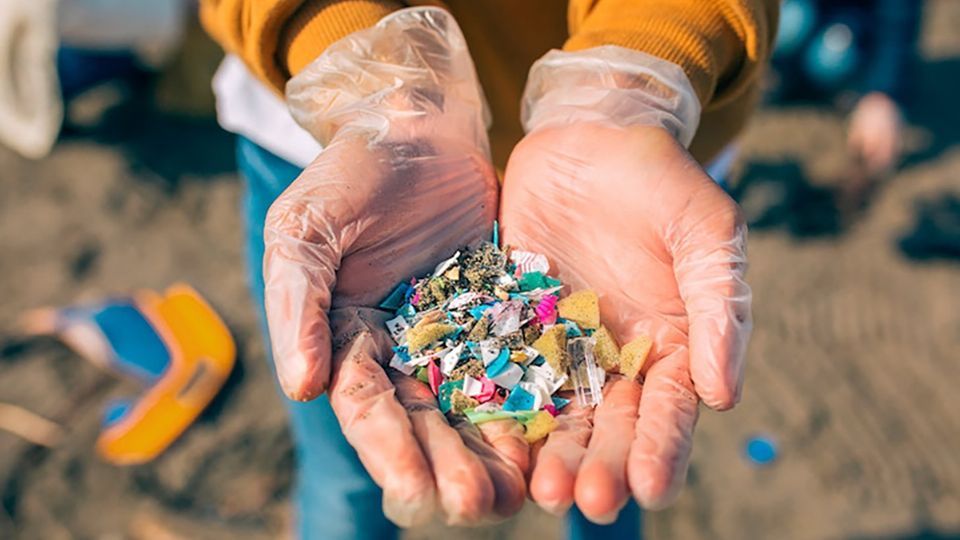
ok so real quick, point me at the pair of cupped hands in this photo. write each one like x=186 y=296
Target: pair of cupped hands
x=600 y=185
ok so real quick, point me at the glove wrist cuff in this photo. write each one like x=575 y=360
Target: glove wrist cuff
x=612 y=85
x=410 y=73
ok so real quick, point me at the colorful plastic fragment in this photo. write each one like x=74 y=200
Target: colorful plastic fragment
x=490 y=334
x=587 y=377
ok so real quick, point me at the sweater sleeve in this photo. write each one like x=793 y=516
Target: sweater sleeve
x=278 y=38
x=720 y=44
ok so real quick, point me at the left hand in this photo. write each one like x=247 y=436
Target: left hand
x=875 y=133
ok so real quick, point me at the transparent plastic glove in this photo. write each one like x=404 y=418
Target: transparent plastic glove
x=404 y=180
x=604 y=187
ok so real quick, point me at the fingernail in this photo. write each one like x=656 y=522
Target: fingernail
x=558 y=509
x=605 y=519
x=409 y=513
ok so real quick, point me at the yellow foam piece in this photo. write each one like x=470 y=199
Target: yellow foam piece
x=581 y=307
x=606 y=350
x=540 y=426
x=419 y=336
x=552 y=345
x=633 y=355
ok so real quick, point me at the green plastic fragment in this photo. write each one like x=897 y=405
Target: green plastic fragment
x=445 y=391
x=532 y=280
x=423 y=375
x=479 y=417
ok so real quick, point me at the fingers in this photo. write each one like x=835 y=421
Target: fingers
x=508 y=480
x=710 y=260
x=601 y=486
x=465 y=490
x=660 y=452
x=556 y=463
x=506 y=438
x=377 y=426
x=299 y=273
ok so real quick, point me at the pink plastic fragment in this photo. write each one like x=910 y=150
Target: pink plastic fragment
x=415 y=299
x=546 y=310
x=487 y=391
x=434 y=376
x=550 y=409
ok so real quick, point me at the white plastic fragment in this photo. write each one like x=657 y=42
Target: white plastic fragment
x=489 y=352
x=445 y=265
x=471 y=386
x=398 y=364
x=449 y=361
x=509 y=377
x=527 y=261
x=398 y=327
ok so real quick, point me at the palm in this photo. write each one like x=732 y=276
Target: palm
x=360 y=219
x=614 y=211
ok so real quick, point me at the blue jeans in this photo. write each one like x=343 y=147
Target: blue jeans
x=335 y=497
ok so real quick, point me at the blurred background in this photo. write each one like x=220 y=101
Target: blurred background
x=850 y=424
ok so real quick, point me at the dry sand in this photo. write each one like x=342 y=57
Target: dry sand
x=854 y=366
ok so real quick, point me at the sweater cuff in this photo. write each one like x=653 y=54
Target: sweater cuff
x=316 y=25
x=708 y=42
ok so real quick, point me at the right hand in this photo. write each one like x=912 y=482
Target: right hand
x=404 y=180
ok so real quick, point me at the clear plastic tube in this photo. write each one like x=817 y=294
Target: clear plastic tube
x=587 y=377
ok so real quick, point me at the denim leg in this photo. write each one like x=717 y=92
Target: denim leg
x=627 y=525
x=335 y=497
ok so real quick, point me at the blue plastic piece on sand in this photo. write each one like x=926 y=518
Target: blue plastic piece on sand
x=115 y=410
x=138 y=349
x=519 y=400
x=761 y=450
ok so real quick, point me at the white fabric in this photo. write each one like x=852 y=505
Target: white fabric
x=30 y=105
x=245 y=106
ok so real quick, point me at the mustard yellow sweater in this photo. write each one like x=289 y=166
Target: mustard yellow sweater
x=720 y=44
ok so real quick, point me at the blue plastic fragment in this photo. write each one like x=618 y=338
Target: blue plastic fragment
x=572 y=329
x=496 y=233
x=397 y=297
x=407 y=311
x=402 y=352
x=115 y=410
x=519 y=400
x=499 y=363
x=477 y=312
x=559 y=402
x=761 y=450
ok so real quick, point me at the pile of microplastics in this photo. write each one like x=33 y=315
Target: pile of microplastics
x=489 y=333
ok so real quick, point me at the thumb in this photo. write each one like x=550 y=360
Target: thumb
x=710 y=259
x=301 y=256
